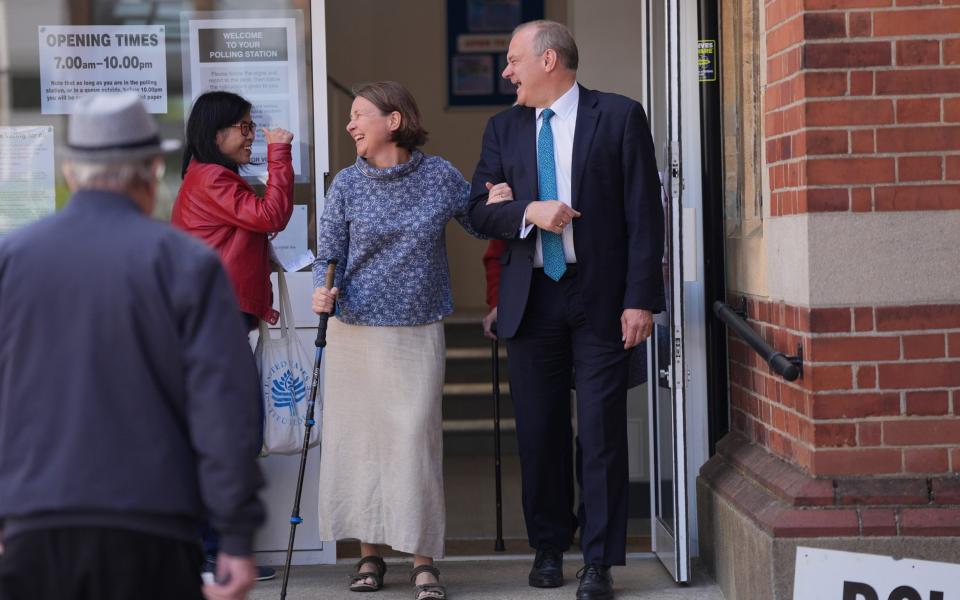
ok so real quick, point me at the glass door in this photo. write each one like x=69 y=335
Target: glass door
x=669 y=523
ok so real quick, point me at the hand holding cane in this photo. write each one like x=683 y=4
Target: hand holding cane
x=320 y=343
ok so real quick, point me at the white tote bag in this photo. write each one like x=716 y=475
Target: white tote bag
x=286 y=373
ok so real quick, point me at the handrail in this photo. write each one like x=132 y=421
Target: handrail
x=340 y=87
x=788 y=367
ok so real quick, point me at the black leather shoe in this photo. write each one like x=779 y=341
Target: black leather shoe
x=547 y=571
x=596 y=583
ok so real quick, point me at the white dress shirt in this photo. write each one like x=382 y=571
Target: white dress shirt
x=564 y=124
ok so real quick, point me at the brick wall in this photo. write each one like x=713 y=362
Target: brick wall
x=787 y=503
x=880 y=392
x=862 y=105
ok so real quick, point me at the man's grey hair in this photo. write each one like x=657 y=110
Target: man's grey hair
x=115 y=176
x=553 y=36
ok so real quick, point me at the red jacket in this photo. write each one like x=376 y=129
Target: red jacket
x=492 y=266
x=219 y=207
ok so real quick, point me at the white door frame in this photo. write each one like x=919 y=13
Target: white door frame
x=688 y=373
x=281 y=471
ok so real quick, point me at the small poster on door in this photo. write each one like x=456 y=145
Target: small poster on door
x=78 y=60
x=706 y=60
x=27 y=177
x=259 y=58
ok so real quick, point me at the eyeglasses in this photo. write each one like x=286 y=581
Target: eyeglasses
x=246 y=127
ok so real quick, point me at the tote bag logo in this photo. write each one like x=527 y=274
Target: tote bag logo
x=288 y=390
x=285 y=392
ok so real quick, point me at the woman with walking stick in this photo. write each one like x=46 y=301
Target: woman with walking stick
x=381 y=472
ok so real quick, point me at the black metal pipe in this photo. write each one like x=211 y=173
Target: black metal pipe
x=788 y=367
x=309 y=422
x=498 y=545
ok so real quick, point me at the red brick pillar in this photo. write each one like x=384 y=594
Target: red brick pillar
x=862 y=150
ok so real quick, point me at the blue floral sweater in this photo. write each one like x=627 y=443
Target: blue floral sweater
x=386 y=228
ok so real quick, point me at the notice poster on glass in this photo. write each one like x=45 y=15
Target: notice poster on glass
x=289 y=247
x=79 y=60
x=260 y=58
x=27 y=183
x=478 y=36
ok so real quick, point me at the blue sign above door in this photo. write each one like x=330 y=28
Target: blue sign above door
x=478 y=34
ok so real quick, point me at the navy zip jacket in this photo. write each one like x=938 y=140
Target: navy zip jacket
x=128 y=392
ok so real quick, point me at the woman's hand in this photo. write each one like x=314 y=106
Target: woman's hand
x=323 y=299
x=277 y=135
x=498 y=193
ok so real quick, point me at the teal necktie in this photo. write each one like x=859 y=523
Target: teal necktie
x=554 y=262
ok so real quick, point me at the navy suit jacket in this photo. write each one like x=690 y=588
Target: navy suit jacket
x=616 y=188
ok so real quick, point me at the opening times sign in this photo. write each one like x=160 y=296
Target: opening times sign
x=79 y=60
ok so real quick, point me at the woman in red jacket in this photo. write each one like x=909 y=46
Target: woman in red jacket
x=218 y=206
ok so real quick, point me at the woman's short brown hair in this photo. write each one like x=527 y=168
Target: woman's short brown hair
x=390 y=96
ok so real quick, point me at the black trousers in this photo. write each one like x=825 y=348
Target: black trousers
x=93 y=563
x=552 y=342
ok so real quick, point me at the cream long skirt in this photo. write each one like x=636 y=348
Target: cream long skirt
x=381 y=468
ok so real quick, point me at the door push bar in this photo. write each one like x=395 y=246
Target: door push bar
x=788 y=367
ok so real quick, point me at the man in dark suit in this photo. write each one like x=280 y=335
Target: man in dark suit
x=568 y=176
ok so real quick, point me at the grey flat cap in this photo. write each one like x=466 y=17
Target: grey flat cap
x=111 y=127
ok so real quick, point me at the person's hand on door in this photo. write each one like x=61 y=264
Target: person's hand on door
x=636 y=325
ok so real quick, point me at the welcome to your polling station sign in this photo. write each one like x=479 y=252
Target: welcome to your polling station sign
x=259 y=56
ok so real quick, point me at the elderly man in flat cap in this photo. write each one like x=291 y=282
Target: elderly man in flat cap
x=128 y=393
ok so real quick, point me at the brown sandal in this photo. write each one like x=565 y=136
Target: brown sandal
x=358 y=581
x=428 y=591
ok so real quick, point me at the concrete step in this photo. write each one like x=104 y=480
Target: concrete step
x=464 y=334
x=479 y=441
x=475 y=406
x=468 y=393
x=471 y=352
x=474 y=389
x=477 y=370
x=477 y=425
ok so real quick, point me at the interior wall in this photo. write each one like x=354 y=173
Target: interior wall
x=372 y=40
x=610 y=45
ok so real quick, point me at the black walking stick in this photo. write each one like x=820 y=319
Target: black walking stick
x=495 y=345
x=320 y=342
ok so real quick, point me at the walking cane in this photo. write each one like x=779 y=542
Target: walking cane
x=320 y=342
x=495 y=345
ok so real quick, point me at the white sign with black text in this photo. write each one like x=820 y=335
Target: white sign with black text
x=835 y=575
x=259 y=59
x=27 y=178
x=289 y=247
x=79 y=60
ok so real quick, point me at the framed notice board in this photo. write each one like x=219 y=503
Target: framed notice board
x=478 y=34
